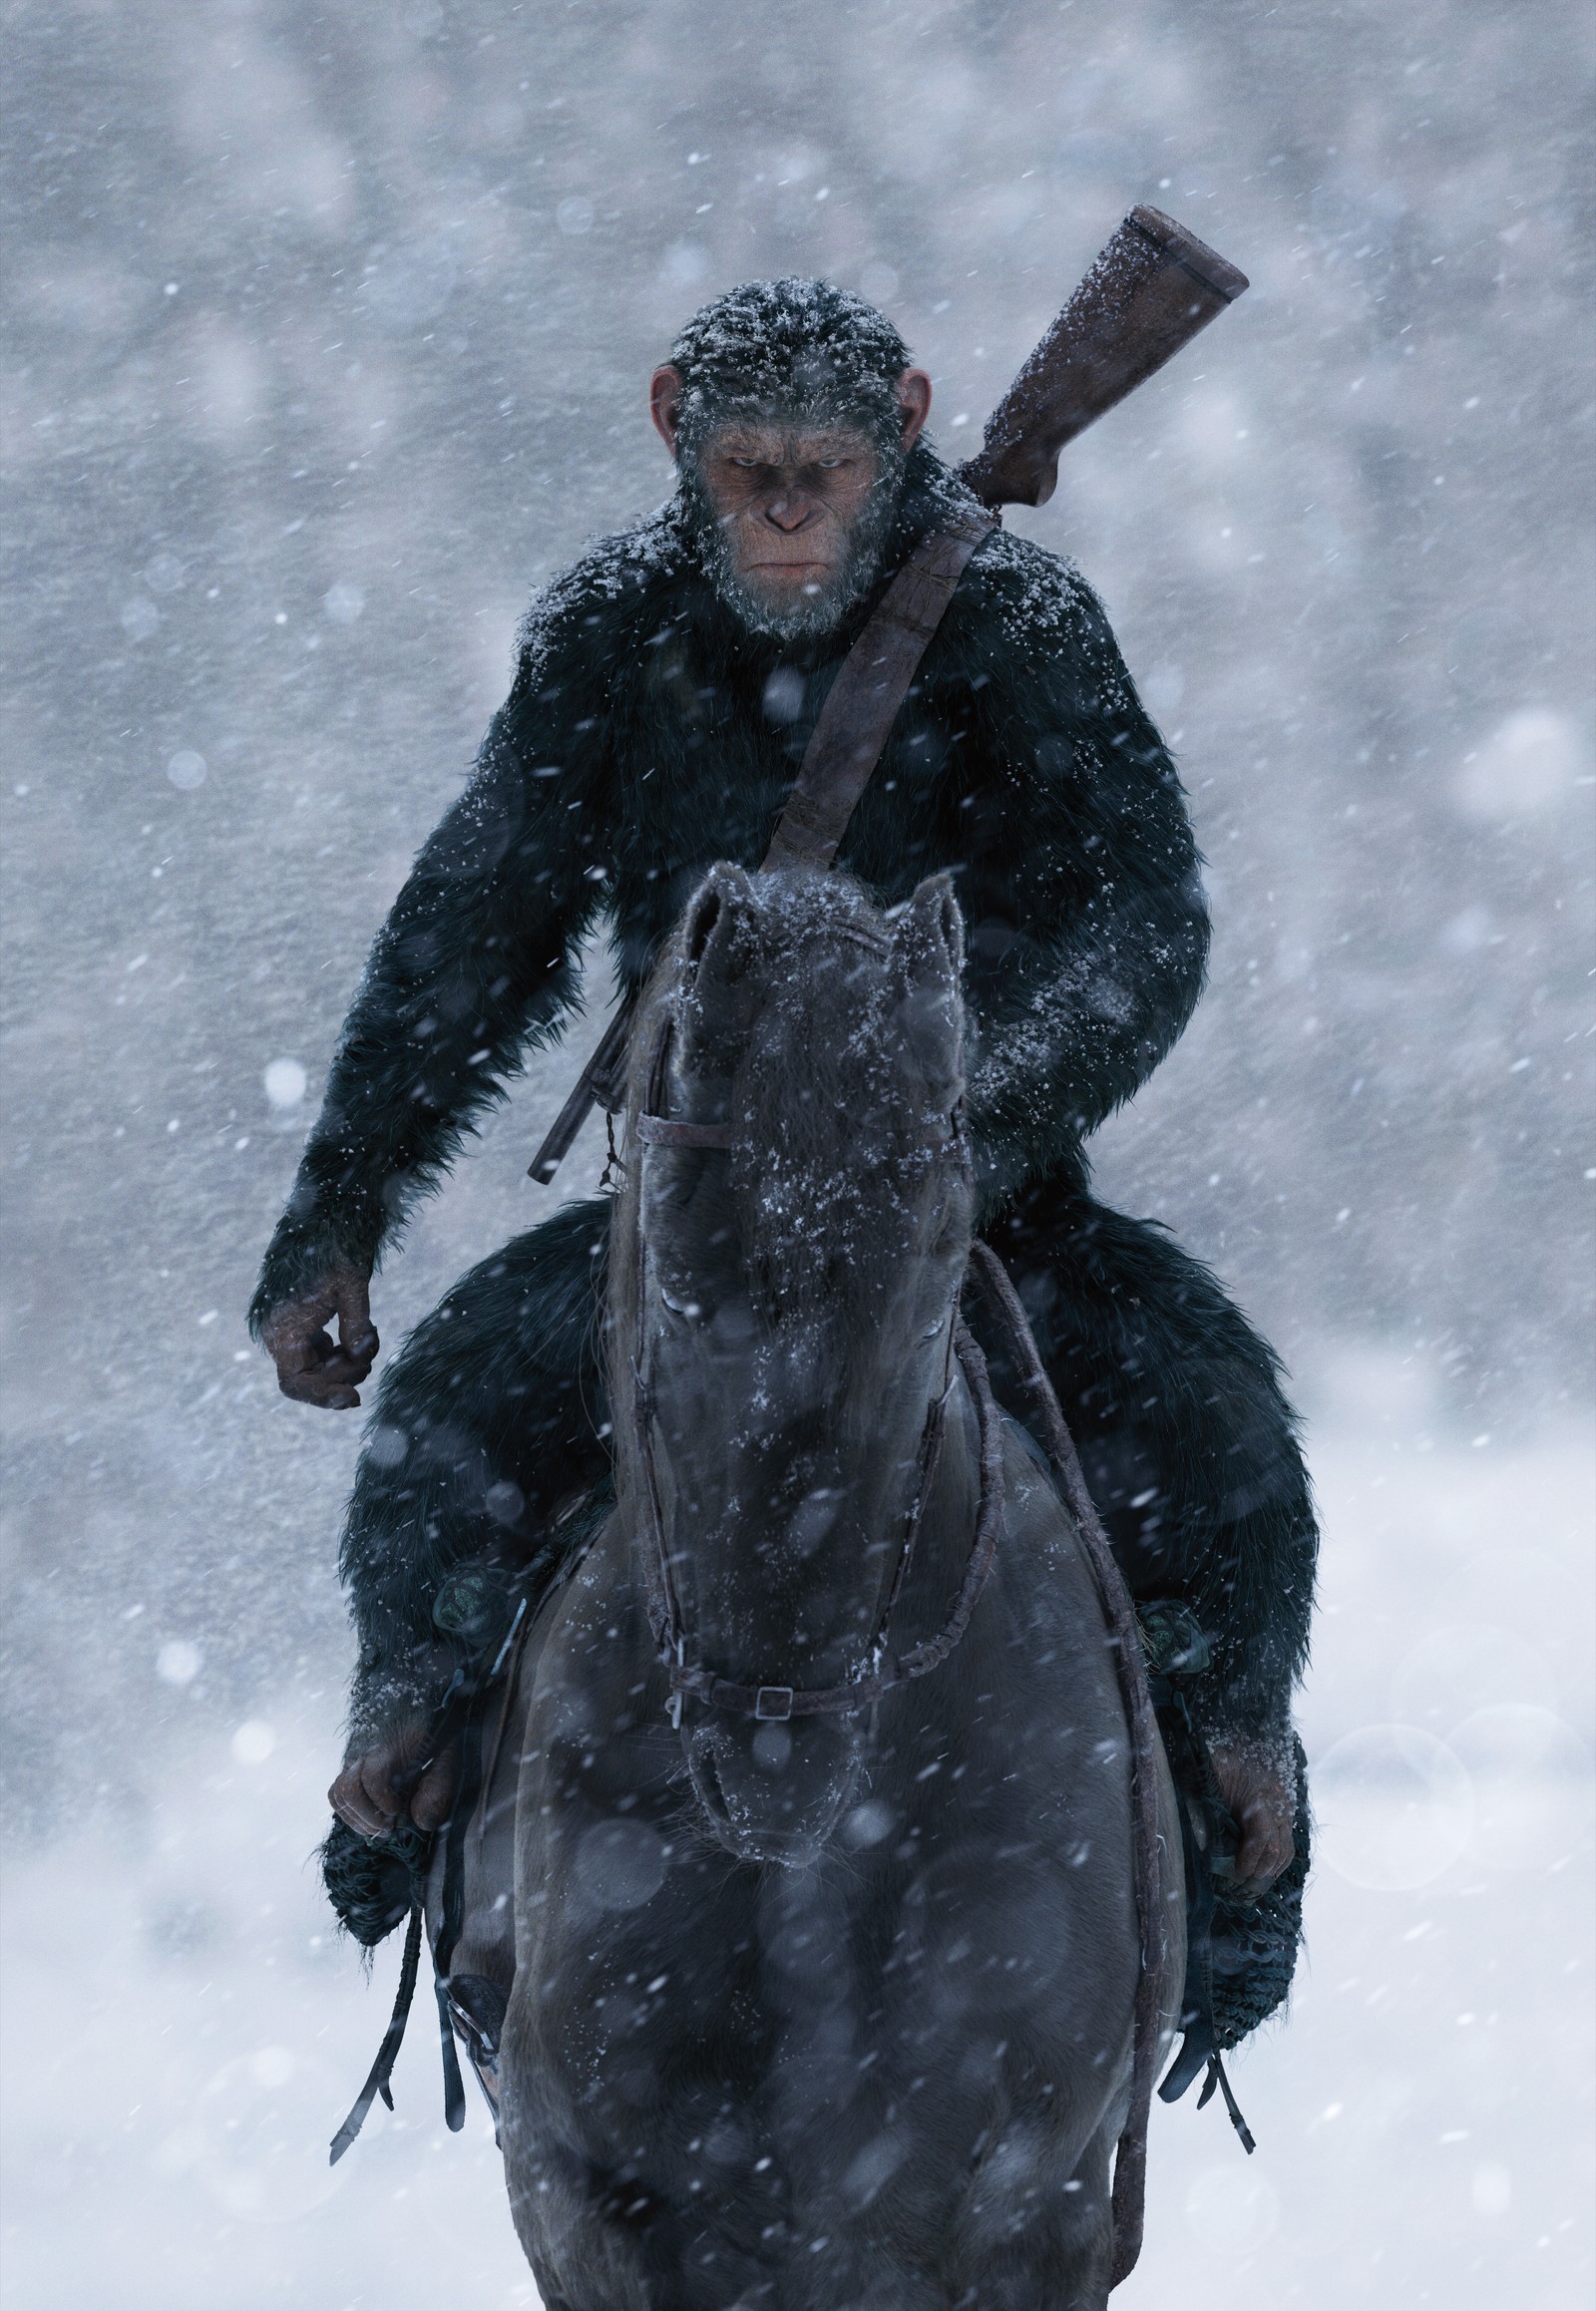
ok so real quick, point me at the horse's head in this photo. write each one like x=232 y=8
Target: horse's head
x=785 y=1281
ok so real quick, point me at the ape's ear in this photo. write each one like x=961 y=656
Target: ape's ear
x=664 y=399
x=914 y=399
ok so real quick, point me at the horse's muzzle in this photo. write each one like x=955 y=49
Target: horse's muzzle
x=773 y=1792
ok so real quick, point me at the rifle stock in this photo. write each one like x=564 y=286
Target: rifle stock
x=1149 y=293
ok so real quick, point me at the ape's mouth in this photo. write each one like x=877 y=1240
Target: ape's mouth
x=791 y=569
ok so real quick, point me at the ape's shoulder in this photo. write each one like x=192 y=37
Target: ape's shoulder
x=1020 y=604
x=618 y=585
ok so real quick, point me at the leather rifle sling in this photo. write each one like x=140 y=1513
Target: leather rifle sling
x=862 y=704
x=843 y=748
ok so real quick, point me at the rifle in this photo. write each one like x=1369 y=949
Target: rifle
x=1147 y=295
x=1149 y=291
x=598 y=1085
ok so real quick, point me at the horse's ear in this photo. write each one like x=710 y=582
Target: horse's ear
x=928 y=945
x=927 y=936
x=723 y=895
x=719 y=941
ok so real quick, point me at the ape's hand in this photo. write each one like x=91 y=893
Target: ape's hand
x=1258 y=1778
x=375 y=1790
x=309 y=1368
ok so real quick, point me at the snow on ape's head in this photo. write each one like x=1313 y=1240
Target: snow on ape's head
x=802 y=351
x=791 y=408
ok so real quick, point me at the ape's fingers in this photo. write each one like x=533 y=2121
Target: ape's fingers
x=316 y=1388
x=357 y=1334
x=435 y=1794
x=1267 y=1848
x=299 y=1351
x=313 y=1371
x=381 y=1773
x=349 y=1802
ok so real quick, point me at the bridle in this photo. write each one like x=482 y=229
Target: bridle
x=878 y=1673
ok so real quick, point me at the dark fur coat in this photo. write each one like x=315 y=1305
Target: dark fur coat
x=649 y=733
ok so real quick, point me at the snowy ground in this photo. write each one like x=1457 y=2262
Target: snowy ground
x=183 y=2033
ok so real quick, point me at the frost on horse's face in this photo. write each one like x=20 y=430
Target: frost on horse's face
x=797 y=1292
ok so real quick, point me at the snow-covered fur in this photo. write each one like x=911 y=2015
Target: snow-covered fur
x=794 y=350
x=1188 y=1444
x=648 y=733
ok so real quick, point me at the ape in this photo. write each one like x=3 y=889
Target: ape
x=665 y=690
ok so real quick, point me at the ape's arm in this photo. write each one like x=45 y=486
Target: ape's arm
x=1088 y=927
x=475 y=961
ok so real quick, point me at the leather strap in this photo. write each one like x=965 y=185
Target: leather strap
x=392 y=2040
x=780 y=1701
x=1130 y=2161
x=667 y=1131
x=862 y=705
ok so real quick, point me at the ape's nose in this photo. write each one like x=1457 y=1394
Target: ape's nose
x=790 y=510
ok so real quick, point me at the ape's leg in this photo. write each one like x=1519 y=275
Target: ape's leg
x=1188 y=1443
x=485 y=1440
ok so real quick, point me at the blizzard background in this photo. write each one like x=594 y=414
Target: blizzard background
x=327 y=337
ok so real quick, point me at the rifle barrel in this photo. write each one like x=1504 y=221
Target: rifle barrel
x=596 y=1081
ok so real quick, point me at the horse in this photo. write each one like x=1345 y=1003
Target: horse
x=827 y=1960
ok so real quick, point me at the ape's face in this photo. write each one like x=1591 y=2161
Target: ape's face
x=794 y=517
x=788 y=506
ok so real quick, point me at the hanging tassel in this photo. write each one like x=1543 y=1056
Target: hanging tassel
x=388 y=2052
x=454 y=2093
x=1217 y=2077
